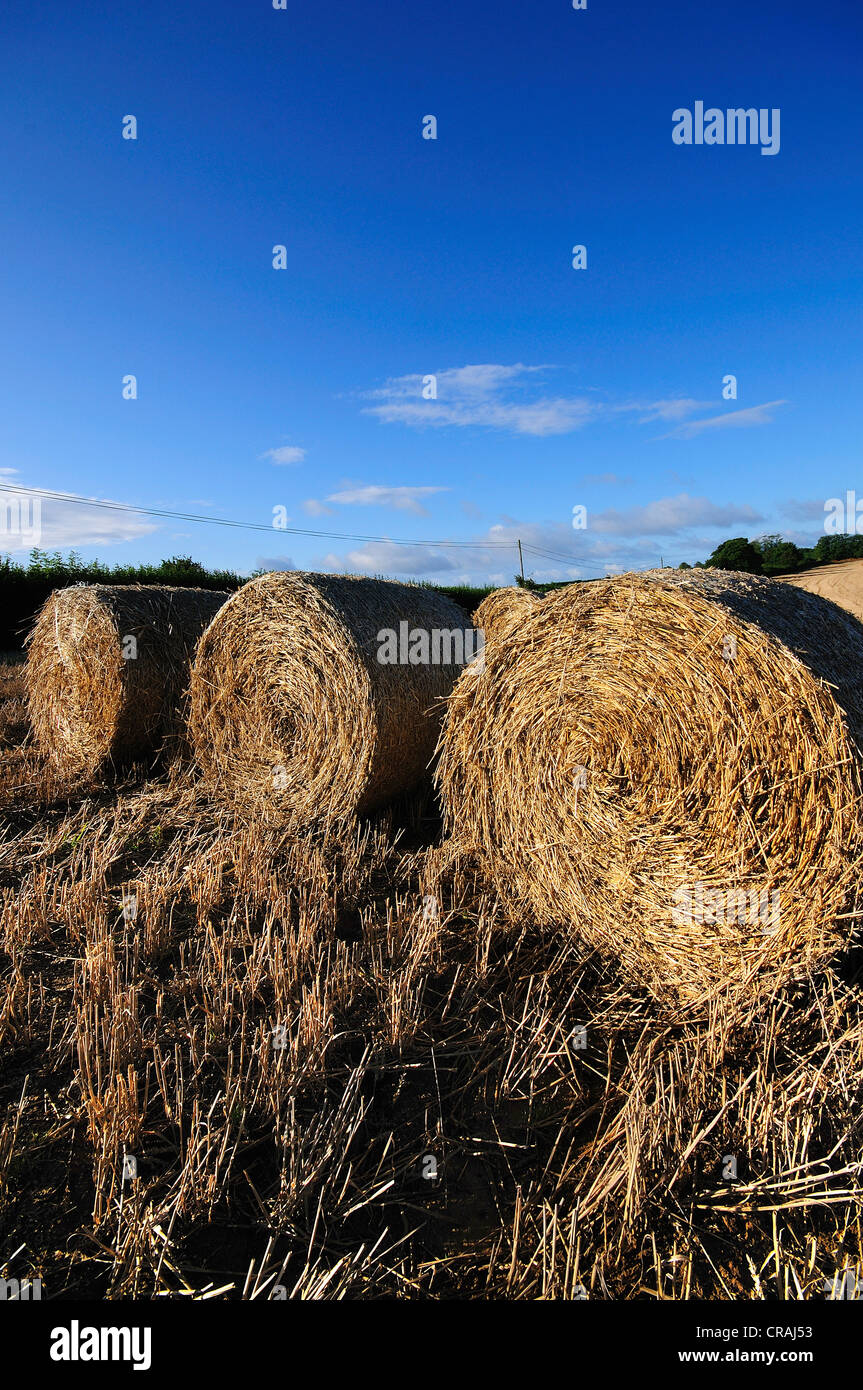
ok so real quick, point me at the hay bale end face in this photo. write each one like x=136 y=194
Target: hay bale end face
x=301 y=708
x=504 y=609
x=108 y=669
x=670 y=764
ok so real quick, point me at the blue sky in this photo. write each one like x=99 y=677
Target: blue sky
x=302 y=388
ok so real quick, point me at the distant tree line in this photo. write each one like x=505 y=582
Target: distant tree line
x=770 y=555
x=25 y=587
x=774 y=555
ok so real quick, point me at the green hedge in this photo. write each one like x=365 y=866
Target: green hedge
x=24 y=588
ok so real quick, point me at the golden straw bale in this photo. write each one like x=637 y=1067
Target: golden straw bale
x=502 y=609
x=108 y=670
x=292 y=709
x=669 y=764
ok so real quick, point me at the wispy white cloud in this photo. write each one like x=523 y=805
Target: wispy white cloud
x=277 y=562
x=485 y=395
x=483 y=380
x=53 y=524
x=385 y=557
x=605 y=480
x=288 y=453
x=509 y=397
x=402 y=499
x=804 y=510
x=615 y=540
x=733 y=419
x=669 y=516
x=493 y=557
x=676 y=408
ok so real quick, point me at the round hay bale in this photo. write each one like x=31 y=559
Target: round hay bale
x=503 y=609
x=670 y=764
x=297 y=706
x=108 y=669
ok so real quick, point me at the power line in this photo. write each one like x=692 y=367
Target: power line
x=241 y=525
x=127 y=507
x=551 y=554
x=566 y=559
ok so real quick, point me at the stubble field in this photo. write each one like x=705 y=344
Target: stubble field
x=335 y=1068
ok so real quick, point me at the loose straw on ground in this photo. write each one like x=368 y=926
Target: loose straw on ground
x=108 y=670
x=294 y=711
x=669 y=764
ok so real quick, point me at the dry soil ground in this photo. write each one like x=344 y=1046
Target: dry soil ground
x=843 y=583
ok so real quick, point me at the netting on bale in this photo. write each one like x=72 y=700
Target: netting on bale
x=503 y=609
x=303 y=704
x=108 y=670
x=669 y=764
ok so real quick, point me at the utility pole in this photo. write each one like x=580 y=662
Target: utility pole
x=521 y=561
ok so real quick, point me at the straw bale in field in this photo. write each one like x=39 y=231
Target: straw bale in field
x=294 y=709
x=503 y=609
x=670 y=764
x=108 y=670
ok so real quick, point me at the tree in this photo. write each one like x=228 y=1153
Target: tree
x=182 y=567
x=736 y=554
x=829 y=549
x=778 y=555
